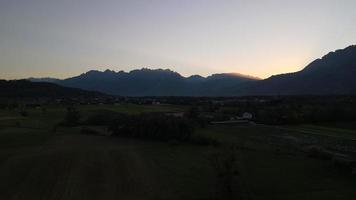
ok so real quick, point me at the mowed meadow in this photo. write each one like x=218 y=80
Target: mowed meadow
x=41 y=160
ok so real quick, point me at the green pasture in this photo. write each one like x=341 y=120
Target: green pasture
x=39 y=163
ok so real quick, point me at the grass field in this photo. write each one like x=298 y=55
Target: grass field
x=326 y=131
x=37 y=163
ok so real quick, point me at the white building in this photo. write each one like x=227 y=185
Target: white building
x=247 y=116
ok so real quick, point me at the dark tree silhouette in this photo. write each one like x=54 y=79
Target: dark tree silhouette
x=72 y=116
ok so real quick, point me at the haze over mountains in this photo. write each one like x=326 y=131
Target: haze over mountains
x=333 y=74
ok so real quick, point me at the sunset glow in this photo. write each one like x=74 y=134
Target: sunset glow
x=259 y=38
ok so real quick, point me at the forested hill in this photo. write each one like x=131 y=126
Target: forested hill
x=28 y=89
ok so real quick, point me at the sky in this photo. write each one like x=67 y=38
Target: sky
x=52 y=38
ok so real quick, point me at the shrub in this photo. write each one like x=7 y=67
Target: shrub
x=318 y=152
x=72 y=116
x=152 y=126
x=54 y=128
x=353 y=173
x=344 y=163
x=204 y=140
x=102 y=118
x=225 y=166
x=24 y=113
x=89 y=131
x=18 y=124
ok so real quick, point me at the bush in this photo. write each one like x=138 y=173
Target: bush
x=318 y=152
x=204 y=140
x=89 y=131
x=24 y=113
x=152 y=126
x=102 y=118
x=72 y=116
x=344 y=163
x=353 y=173
x=18 y=124
x=54 y=128
x=226 y=169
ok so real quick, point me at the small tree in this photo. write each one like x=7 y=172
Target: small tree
x=44 y=110
x=193 y=112
x=72 y=116
x=226 y=169
x=24 y=113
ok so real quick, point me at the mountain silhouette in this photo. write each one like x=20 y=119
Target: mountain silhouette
x=47 y=80
x=149 y=82
x=27 y=89
x=333 y=74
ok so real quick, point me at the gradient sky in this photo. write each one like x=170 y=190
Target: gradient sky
x=63 y=38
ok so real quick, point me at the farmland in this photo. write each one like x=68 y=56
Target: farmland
x=40 y=160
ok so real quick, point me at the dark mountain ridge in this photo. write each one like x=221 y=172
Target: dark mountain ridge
x=28 y=89
x=149 y=82
x=333 y=74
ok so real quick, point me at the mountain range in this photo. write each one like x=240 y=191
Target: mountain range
x=333 y=74
x=148 y=82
